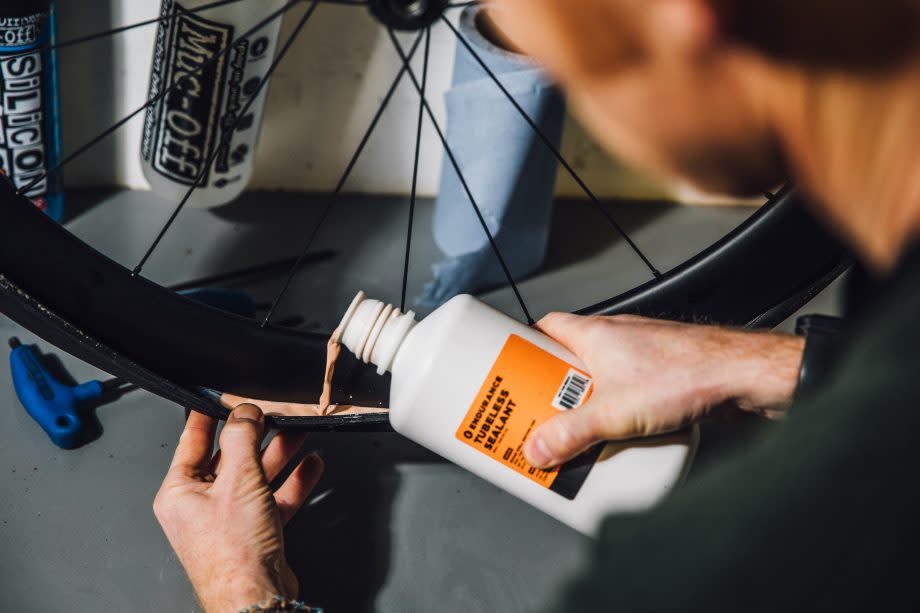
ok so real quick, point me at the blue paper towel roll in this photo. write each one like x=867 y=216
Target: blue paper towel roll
x=510 y=172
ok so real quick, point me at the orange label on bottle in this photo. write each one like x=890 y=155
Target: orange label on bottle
x=526 y=386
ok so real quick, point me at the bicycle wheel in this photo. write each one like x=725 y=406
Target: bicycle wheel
x=110 y=316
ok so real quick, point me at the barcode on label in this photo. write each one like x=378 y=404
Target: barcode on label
x=572 y=391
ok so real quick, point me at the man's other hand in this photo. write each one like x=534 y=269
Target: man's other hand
x=652 y=377
x=220 y=515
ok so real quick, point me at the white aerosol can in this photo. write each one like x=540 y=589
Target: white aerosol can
x=222 y=67
x=471 y=384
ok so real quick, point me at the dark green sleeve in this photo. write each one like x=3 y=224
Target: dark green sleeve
x=820 y=514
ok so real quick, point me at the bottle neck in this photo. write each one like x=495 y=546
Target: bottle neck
x=374 y=331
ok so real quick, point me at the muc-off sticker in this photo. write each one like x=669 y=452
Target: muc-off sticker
x=22 y=130
x=229 y=121
x=157 y=72
x=20 y=31
x=247 y=59
x=190 y=65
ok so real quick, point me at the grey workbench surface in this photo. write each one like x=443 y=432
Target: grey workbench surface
x=393 y=529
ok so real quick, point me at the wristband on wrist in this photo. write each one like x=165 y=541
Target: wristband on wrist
x=822 y=336
x=280 y=603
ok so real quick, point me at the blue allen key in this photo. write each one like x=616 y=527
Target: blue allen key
x=56 y=407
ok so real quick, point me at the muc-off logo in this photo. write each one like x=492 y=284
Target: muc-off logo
x=22 y=149
x=19 y=31
x=181 y=131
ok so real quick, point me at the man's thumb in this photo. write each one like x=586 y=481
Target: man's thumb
x=563 y=437
x=241 y=437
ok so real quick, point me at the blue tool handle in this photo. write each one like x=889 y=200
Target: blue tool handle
x=53 y=405
x=231 y=300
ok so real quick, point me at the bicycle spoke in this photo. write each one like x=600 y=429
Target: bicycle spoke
x=228 y=135
x=549 y=144
x=258 y=270
x=466 y=188
x=118 y=30
x=342 y=180
x=414 y=193
x=150 y=102
x=162 y=19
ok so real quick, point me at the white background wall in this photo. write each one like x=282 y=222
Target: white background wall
x=321 y=100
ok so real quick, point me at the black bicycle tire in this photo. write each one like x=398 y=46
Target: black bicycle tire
x=88 y=305
x=755 y=276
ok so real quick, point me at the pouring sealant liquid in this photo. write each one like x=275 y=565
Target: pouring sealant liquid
x=471 y=384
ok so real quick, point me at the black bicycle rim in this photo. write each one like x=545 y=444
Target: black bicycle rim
x=85 y=303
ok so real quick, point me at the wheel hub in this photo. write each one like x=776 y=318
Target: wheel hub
x=407 y=14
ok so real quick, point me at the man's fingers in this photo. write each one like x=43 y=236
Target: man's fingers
x=291 y=496
x=279 y=452
x=565 y=436
x=567 y=329
x=196 y=443
x=215 y=461
x=240 y=440
x=214 y=466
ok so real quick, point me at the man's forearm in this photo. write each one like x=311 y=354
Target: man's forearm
x=653 y=377
x=765 y=371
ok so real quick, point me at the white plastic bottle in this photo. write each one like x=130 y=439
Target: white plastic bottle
x=183 y=130
x=471 y=383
